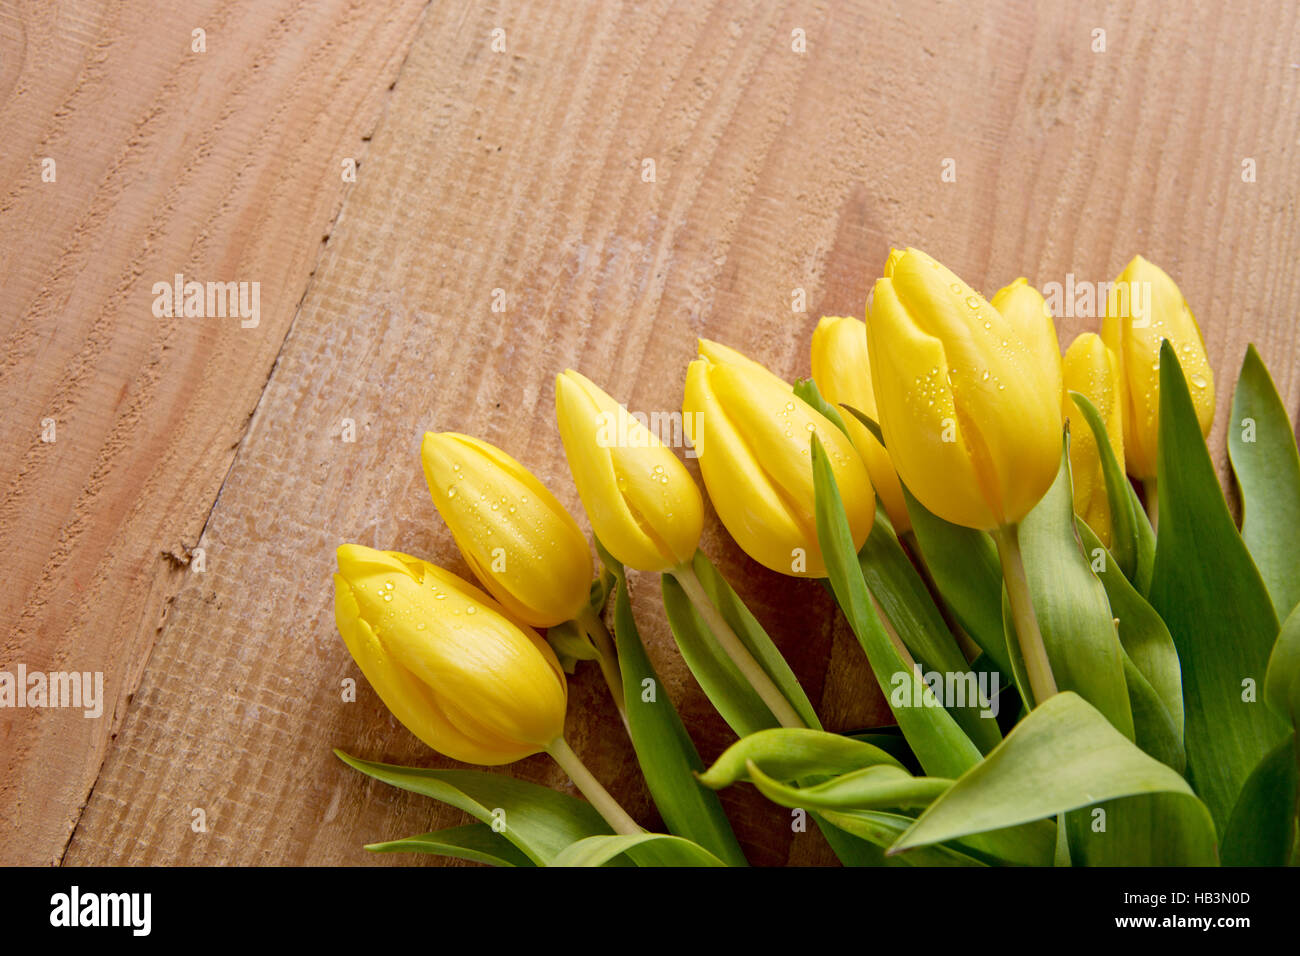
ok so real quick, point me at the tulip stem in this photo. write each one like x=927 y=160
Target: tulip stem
x=591 y=788
x=735 y=649
x=591 y=623
x=1032 y=650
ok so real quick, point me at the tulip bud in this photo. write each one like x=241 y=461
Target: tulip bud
x=842 y=371
x=641 y=500
x=969 y=399
x=756 y=461
x=521 y=543
x=1025 y=308
x=1091 y=370
x=1143 y=308
x=446 y=659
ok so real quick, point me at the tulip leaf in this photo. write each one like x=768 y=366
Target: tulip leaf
x=940 y=745
x=1148 y=829
x=907 y=603
x=965 y=568
x=754 y=637
x=539 y=821
x=665 y=850
x=872 y=788
x=477 y=842
x=869 y=423
x=570 y=645
x=1262 y=446
x=882 y=829
x=1262 y=827
x=1133 y=543
x=788 y=753
x=1070 y=603
x=1208 y=591
x=806 y=389
x=665 y=751
x=1150 y=651
x=731 y=695
x=1064 y=755
x=1282 y=680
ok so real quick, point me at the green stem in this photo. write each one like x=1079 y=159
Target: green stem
x=591 y=788
x=594 y=627
x=734 y=648
x=1037 y=667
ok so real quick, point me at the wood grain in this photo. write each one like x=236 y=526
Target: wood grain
x=220 y=165
x=522 y=171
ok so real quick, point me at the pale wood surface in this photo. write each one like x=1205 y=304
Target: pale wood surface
x=518 y=171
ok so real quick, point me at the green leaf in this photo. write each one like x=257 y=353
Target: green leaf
x=1073 y=612
x=806 y=389
x=1064 y=755
x=570 y=645
x=755 y=639
x=731 y=695
x=473 y=841
x=1133 y=543
x=868 y=422
x=940 y=745
x=1149 y=829
x=882 y=829
x=1148 y=649
x=791 y=753
x=539 y=821
x=666 y=850
x=665 y=751
x=906 y=601
x=965 y=568
x=1262 y=828
x=872 y=788
x=1208 y=591
x=1282 y=680
x=1262 y=446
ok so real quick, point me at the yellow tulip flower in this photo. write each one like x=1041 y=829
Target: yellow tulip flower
x=519 y=540
x=969 y=398
x=754 y=454
x=1144 y=307
x=641 y=500
x=1025 y=308
x=1091 y=370
x=842 y=371
x=447 y=660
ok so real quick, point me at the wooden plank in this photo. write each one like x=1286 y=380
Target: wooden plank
x=222 y=164
x=775 y=170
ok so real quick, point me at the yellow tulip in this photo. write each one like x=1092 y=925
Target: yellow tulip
x=519 y=540
x=1144 y=307
x=1025 y=308
x=1092 y=370
x=446 y=659
x=842 y=371
x=969 y=398
x=641 y=500
x=754 y=436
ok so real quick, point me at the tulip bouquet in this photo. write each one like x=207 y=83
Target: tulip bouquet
x=1082 y=669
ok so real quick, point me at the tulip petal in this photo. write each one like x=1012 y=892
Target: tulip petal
x=409 y=700
x=519 y=540
x=918 y=415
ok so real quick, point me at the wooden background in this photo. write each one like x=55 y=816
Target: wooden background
x=520 y=171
